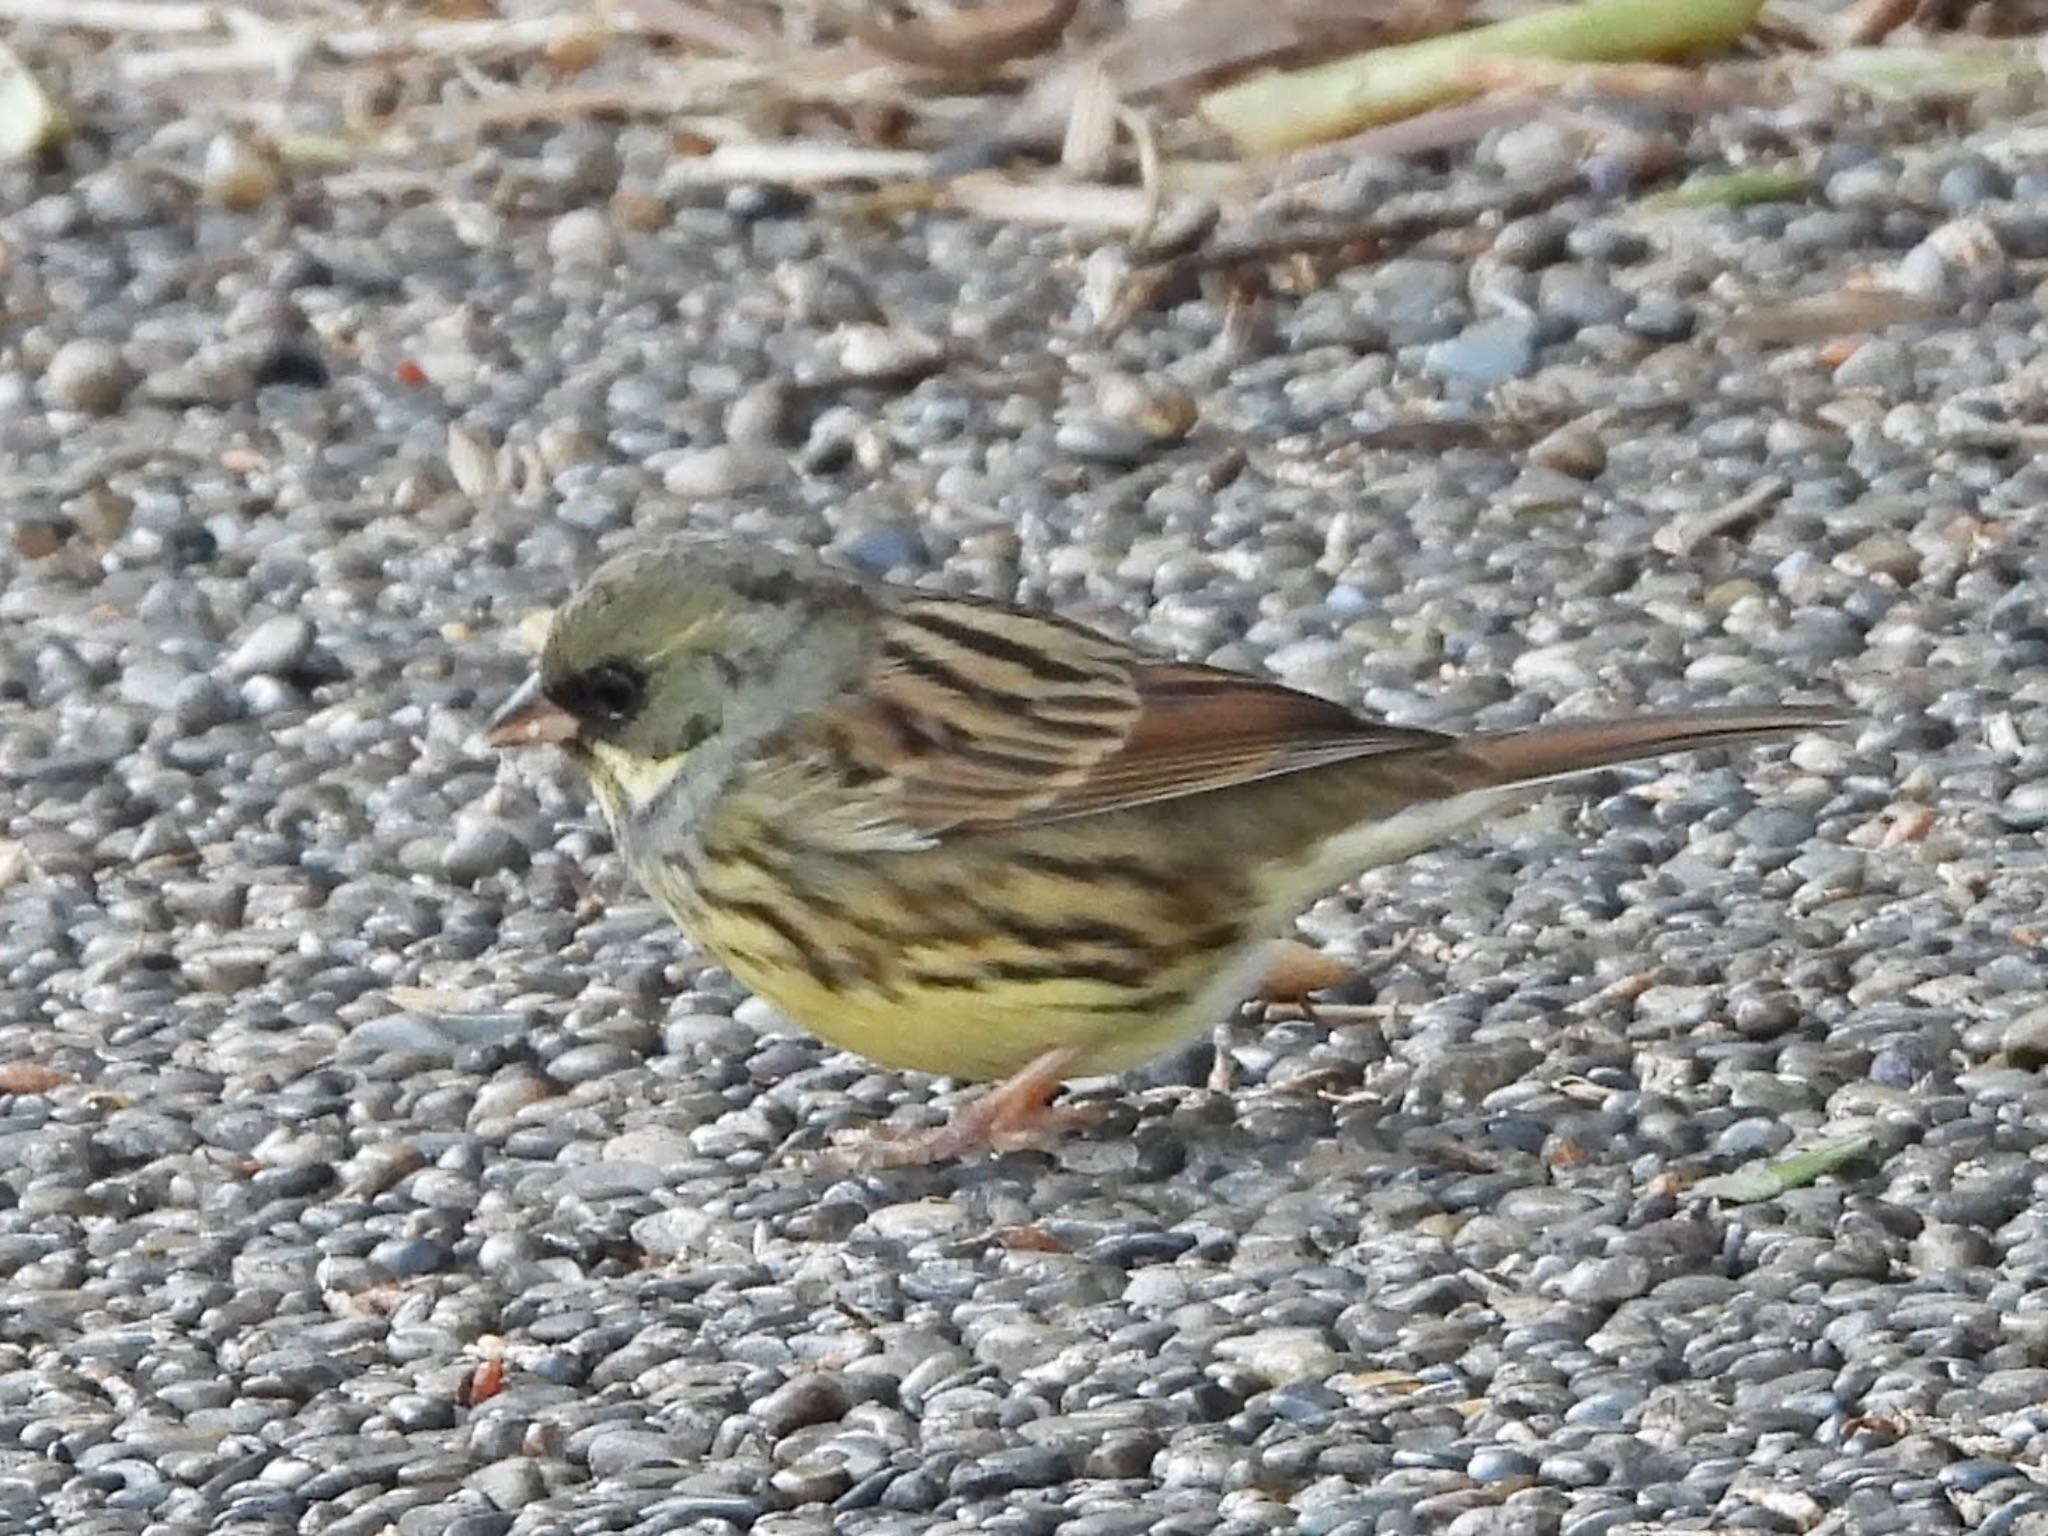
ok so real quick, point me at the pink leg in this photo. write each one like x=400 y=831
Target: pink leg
x=1017 y=1115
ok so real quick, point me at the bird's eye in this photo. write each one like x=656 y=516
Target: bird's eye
x=609 y=694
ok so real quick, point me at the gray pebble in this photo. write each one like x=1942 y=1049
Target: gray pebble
x=1606 y=1282
x=1657 y=317
x=481 y=849
x=2025 y=807
x=887 y=548
x=276 y=645
x=1487 y=353
x=724 y=470
x=1007 y=1471
x=1605 y=241
x=800 y=1402
x=2025 y=1039
x=1532 y=243
x=583 y=237
x=1415 y=300
x=88 y=375
x=617 y=1452
x=509 y=1485
x=1570 y=450
x=1579 y=296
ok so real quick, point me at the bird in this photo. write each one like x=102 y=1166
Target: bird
x=970 y=838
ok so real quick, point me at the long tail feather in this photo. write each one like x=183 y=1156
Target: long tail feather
x=1573 y=747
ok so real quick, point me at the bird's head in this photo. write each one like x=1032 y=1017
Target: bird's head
x=676 y=645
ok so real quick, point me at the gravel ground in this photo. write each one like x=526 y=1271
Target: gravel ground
x=374 y=1159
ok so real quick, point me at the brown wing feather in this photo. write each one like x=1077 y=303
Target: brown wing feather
x=1201 y=729
x=976 y=717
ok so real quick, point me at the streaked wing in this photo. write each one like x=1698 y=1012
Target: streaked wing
x=1199 y=729
x=975 y=717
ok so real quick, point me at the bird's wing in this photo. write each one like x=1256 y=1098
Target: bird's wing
x=974 y=717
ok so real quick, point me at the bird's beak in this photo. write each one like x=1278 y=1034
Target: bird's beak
x=527 y=719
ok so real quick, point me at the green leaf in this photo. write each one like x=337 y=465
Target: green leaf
x=1734 y=189
x=1746 y=1186
x=1270 y=113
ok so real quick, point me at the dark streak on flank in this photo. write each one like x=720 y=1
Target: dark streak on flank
x=825 y=969
x=941 y=912
x=1150 y=1000
x=1110 y=972
x=1155 y=953
x=953 y=916
x=757 y=857
x=1093 y=871
x=760 y=856
x=1053 y=934
x=682 y=863
x=738 y=955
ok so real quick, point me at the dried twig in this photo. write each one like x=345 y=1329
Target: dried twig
x=1824 y=316
x=713 y=82
x=132 y=16
x=1091 y=128
x=1089 y=207
x=704 y=26
x=1146 y=143
x=1682 y=535
x=1872 y=21
x=807 y=163
x=1332 y=245
x=972 y=42
x=275 y=46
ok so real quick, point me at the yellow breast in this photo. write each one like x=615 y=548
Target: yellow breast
x=970 y=968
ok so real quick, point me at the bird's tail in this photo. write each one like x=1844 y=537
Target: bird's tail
x=1400 y=803
x=1572 y=747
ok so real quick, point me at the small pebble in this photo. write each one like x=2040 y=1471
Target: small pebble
x=725 y=470
x=238 y=175
x=1661 y=319
x=583 y=237
x=88 y=375
x=878 y=353
x=1532 y=243
x=1487 y=353
x=2025 y=808
x=1570 y=450
x=277 y=645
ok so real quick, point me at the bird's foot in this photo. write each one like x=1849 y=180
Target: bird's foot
x=1017 y=1115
